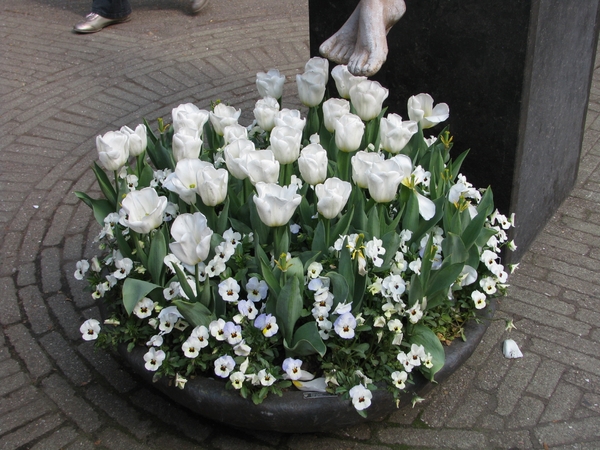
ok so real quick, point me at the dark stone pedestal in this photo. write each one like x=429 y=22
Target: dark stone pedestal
x=516 y=75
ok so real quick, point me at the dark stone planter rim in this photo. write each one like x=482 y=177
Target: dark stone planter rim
x=293 y=413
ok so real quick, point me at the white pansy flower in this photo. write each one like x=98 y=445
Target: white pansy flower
x=89 y=330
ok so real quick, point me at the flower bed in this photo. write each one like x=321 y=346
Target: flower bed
x=331 y=254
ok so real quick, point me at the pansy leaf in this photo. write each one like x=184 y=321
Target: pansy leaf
x=306 y=341
x=423 y=335
x=134 y=290
x=195 y=313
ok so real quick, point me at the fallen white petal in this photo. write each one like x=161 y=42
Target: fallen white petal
x=511 y=349
x=316 y=385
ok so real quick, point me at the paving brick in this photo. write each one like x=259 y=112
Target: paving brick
x=28 y=350
x=58 y=439
x=511 y=440
x=171 y=414
x=64 y=310
x=26 y=275
x=8 y=302
x=23 y=415
x=66 y=358
x=546 y=378
x=526 y=413
x=565 y=399
x=51 y=275
x=114 y=439
x=515 y=382
x=31 y=432
x=569 y=432
x=35 y=309
x=71 y=404
x=299 y=442
x=19 y=398
x=13 y=382
x=433 y=438
x=118 y=409
x=106 y=366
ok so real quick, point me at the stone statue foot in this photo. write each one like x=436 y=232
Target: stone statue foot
x=361 y=42
x=339 y=47
x=376 y=19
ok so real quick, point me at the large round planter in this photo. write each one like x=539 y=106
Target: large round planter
x=301 y=412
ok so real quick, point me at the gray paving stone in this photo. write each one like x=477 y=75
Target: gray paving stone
x=303 y=442
x=570 y=432
x=526 y=413
x=565 y=399
x=28 y=350
x=515 y=382
x=66 y=358
x=35 y=309
x=8 y=302
x=114 y=439
x=70 y=404
x=118 y=409
x=58 y=439
x=31 y=432
x=26 y=275
x=70 y=321
x=546 y=378
x=434 y=438
x=105 y=364
x=51 y=275
x=23 y=415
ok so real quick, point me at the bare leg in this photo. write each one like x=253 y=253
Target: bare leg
x=361 y=43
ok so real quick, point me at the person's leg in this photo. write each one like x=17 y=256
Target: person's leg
x=111 y=9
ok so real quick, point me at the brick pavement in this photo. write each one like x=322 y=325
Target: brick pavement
x=60 y=90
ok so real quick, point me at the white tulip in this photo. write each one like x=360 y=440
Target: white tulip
x=333 y=109
x=113 y=149
x=276 y=204
x=318 y=64
x=312 y=164
x=285 y=144
x=421 y=109
x=223 y=116
x=262 y=166
x=344 y=80
x=349 y=130
x=191 y=238
x=367 y=98
x=290 y=118
x=184 y=180
x=212 y=185
x=311 y=87
x=383 y=180
x=270 y=84
x=142 y=210
x=265 y=111
x=138 y=139
x=234 y=132
x=190 y=116
x=332 y=196
x=236 y=157
x=395 y=133
x=186 y=146
x=361 y=164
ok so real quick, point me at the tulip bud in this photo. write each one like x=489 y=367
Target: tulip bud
x=383 y=180
x=332 y=196
x=344 y=80
x=186 y=147
x=189 y=115
x=290 y=118
x=276 y=204
x=285 y=144
x=395 y=133
x=311 y=87
x=212 y=185
x=262 y=166
x=333 y=109
x=142 y=210
x=313 y=164
x=222 y=116
x=138 y=140
x=191 y=238
x=361 y=164
x=318 y=64
x=367 y=98
x=270 y=84
x=349 y=130
x=113 y=149
x=265 y=111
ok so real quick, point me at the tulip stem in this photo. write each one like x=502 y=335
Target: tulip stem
x=282 y=241
x=344 y=165
x=117 y=189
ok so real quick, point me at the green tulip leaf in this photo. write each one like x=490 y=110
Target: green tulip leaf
x=134 y=290
x=318 y=243
x=195 y=313
x=339 y=288
x=100 y=207
x=306 y=341
x=422 y=335
x=289 y=307
x=156 y=256
x=105 y=185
